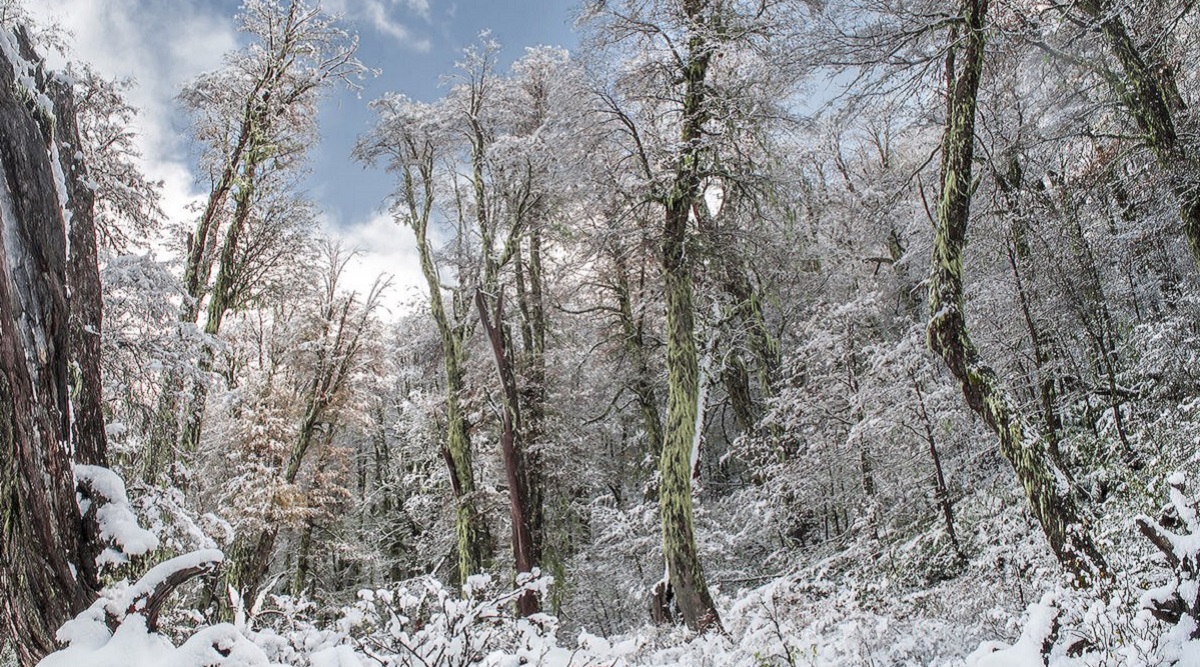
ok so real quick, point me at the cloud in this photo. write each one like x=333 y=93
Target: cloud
x=380 y=15
x=420 y=7
x=160 y=46
x=387 y=250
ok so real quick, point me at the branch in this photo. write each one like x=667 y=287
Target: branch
x=1158 y=538
x=150 y=593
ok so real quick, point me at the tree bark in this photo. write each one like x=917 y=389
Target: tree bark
x=1045 y=486
x=49 y=391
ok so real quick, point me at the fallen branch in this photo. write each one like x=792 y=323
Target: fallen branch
x=150 y=593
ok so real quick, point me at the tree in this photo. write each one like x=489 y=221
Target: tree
x=411 y=137
x=312 y=349
x=47 y=221
x=1051 y=504
x=64 y=514
x=255 y=120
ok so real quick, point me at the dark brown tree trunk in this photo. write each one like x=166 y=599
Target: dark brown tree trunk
x=50 y=412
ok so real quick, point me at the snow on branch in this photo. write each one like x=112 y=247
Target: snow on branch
x=120 y=629
x=101 y=496
x=147 y=596
x=1178 y=602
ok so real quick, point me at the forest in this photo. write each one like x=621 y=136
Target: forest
x=754 y=333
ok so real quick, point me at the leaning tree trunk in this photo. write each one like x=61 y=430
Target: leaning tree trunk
x=1045 y=487
x=49 y=360
x=514 y=469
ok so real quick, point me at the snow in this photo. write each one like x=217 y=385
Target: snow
x=133 y=645
x=335 y=656
x=90 y=643
x=134 y=597
x=1027 y=652
x=60 y=187
x=115 y=517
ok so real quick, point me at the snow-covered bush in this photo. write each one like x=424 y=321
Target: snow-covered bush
x=422 y=622
x=120 y=628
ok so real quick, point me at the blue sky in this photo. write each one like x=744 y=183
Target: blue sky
x=162 y=44
x=439 y=31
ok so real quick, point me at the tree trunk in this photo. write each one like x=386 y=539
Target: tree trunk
x=222 y=298
x=1019 y=254
x=49 y=392
x=471 y=532
x=941 y=491
x=514 y=473
x=1052 y=504
x=1143 y=93
x=534 y=393
x=680 y=439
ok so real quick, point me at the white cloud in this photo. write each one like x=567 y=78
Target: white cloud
x=161 y=46
x=381 y=17
x=385 y=249
x=418 y=6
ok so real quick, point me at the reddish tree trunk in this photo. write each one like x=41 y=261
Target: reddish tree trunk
x=518 y=494
x=50 y=410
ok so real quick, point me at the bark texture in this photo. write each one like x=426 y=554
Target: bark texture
x=49 y=355
x=684 y=571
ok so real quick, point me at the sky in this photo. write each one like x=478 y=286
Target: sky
x=163 y=44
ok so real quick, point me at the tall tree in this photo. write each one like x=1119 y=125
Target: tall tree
x=56 y=526
x=255 y=119
x=49 y=245
x=411 y=138
x=1049 y=497
x=336 y=328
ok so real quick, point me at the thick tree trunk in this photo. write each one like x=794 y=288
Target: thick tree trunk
x=1045 y=487
x=49 y=391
